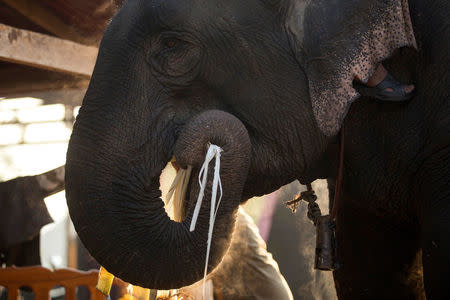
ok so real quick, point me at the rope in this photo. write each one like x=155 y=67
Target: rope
x=313 y=208
x=314 y=212
x=310 y=197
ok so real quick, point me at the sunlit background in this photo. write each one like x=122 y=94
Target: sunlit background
x=33 y=140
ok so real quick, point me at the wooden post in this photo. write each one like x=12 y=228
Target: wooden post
x=46 y=52
x=13 y=292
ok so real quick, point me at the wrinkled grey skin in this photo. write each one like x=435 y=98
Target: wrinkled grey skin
x=173 y=75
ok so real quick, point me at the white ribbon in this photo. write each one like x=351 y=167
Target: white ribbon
x=181 y=181
x=213 y=152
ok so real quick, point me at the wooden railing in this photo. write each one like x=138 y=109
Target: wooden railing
x=42 y=280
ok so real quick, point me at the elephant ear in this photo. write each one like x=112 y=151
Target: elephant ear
x=22 y=208
x=341 y=39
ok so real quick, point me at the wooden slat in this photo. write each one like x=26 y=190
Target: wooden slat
x=13 y=292
x=22 y=81
x=45 y=277
x=47 y=20
x=46 y=52
x=41 y=293
x=95 y=294
x=71 y=293
x=42 y=280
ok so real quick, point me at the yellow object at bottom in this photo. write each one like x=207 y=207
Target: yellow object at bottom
x=105 y=281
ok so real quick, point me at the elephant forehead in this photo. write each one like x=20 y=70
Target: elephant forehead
x=180 y=13
x=168 y=12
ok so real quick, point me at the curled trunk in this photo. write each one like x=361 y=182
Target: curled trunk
x=114 y=201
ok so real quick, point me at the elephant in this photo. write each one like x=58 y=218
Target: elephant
x=23 y=213
x=173 y=76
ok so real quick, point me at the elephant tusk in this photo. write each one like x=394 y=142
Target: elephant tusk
x=178 y=191
x=179 y=184
x=180 y=174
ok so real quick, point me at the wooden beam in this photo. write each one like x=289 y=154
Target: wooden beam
x=46 y=52
x=47 y=20
x=21 y=81
x=69 y=96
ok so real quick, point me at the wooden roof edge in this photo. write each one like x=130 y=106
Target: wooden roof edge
x=41 y=16
x=46 y=52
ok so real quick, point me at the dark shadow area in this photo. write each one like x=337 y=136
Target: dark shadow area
x=26 y=293
x=3 y=293
x=82 y=292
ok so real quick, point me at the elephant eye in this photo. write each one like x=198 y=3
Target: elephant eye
x=170 y=43
x=173 y=54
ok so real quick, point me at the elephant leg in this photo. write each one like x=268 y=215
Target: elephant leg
x=436 y=226
x=378 y=259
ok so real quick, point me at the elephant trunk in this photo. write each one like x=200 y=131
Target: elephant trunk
x=115 y=205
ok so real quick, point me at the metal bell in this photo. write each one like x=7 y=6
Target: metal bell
x=325 y=244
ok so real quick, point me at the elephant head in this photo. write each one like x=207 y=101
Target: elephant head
x=171 y=77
